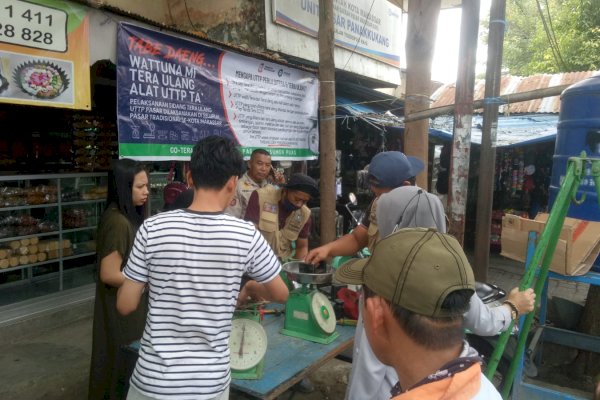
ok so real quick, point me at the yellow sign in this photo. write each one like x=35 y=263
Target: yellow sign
x=44 y=54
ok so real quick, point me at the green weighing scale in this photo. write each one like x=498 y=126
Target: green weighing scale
x=247 y=344
x=309 y=314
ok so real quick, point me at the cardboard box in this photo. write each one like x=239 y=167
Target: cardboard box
x=577 y=248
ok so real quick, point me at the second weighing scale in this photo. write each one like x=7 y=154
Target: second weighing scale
x=247 y=344
x=309 y=314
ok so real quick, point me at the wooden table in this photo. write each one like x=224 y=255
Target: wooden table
x=289 y=359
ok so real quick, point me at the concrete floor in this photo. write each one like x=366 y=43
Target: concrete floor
x=47 y=356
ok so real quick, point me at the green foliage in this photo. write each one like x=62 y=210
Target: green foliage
x=568 y=41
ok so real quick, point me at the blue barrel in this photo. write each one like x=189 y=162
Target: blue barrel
x=578 y=130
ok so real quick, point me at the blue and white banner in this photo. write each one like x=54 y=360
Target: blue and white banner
x=369 y=27
x=171 y=92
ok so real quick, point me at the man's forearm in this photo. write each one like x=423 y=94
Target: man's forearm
x=344 y=246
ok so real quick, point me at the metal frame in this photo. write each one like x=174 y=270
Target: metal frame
x=531 y=390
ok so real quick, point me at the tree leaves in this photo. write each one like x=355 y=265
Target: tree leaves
x=551 y=36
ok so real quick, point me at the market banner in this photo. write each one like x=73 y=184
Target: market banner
x=44 y=54
x=171 y=92
x=368 y=27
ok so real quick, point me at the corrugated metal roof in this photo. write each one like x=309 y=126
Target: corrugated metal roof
x=512 y=130
x=516 y=84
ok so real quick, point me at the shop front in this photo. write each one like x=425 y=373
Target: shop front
x=54 y=149
x=107 y=91
x=525 y=145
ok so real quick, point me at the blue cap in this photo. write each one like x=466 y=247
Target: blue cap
x=392 y=168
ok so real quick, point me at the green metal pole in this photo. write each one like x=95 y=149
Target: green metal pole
x=544 y=250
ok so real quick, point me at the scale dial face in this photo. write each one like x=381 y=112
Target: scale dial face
x=323 y=313
x=247 y=344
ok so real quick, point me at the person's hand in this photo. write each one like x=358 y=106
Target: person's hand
x=243 y=297
x=317 y=255
x=251 y=291
x=278 y=177
x=524 y=301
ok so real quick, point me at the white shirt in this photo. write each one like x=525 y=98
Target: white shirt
x=193 y=264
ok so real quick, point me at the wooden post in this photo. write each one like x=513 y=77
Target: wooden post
x=463 y=116
x=420 y=43
x=327 y=121
x=487 y=163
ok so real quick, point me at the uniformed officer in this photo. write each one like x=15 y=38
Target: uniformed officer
x=282 y=216
x=256 y=177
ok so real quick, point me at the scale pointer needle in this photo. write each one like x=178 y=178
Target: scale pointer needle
x=241 y=351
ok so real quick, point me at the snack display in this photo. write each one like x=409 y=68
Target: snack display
x=75 y=218
x=16 y=196
x=70 y=194
x=13 y=255
x=98 y=192
x=48 y=221
x=95 y=143
x=41 y=79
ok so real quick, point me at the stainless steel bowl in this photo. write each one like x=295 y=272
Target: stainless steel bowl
x=302 y=272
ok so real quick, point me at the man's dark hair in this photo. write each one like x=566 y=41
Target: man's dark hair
x=260 y=151
x=433 y=333
x=214 y=160
x=120 y=184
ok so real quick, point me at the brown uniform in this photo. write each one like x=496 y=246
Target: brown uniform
x=244 y=189
x=295 y=226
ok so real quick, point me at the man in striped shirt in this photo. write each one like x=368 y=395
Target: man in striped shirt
x=192 y=262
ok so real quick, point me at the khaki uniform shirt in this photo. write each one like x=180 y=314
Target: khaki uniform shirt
x=372 y=228
x=280 y=240
x=245 y=187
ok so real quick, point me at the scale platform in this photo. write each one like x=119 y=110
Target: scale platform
x=309 y=314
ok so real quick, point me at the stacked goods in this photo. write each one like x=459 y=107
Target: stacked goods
x=52 y=248
x=95 y=193
x=16 y=196
x=4 y=258
x=30 y=251
x=27 y=225
x=24 y=225
x=75 y=218
x=95 y=142
x=12 y=196
x=70 y=194
x=41 y=194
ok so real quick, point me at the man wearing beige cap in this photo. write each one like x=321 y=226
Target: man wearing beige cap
x=404 y=207
x=417 y=285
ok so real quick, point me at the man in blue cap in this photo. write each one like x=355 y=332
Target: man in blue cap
x=400 y=204
x=387 y=171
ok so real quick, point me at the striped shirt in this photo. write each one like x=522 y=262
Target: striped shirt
x=193 y=264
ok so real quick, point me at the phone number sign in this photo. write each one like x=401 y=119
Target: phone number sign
x=32 y=25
